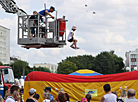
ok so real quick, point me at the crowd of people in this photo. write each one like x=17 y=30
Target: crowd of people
x=16 y=92
x=128 y=96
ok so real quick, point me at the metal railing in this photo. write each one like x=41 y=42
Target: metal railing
x=25 y=24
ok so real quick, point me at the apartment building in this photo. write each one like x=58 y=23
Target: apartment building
x=4 y=45
x=52 y=67
x=132 y=59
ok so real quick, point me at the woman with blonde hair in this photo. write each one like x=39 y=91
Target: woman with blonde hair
x=123 y=95
x=46 y=96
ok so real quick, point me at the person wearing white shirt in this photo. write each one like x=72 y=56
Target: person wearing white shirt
x=14 y=94
x=108 y=97
x=71 y=38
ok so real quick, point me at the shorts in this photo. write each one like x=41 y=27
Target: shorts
x=70 y=40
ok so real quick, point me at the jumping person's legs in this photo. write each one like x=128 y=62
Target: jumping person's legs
x=74 y=43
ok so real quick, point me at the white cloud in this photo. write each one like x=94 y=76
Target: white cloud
x=55 y=51
x=133 y=42
x=133 y=26
x=114 y=39
x=24 y=4
x=80 y=39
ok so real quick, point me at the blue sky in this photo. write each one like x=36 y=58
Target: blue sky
x=113 y=27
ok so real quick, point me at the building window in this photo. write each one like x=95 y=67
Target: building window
x=51 y=69
x=133 y=55
x=133 y=63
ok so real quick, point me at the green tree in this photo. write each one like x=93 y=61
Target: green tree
x=108 y=63
x=119 y=64
x=82 y=62
x=104 y=63
x=1 y=63
x=66 y=67
x=18 y=67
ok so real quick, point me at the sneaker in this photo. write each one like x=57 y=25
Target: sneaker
x=76 y=48
x=71 y=46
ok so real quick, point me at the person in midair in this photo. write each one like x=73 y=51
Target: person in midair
x=71 y=38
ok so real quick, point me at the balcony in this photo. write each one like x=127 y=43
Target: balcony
x=133 y=59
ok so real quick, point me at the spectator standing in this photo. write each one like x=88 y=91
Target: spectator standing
x=36 y=97
x=61 y=97
x=108 y=97
x=47 y=97
x=88 y=96
x=48 y=89
x=14 y=94
x=32 y=92
x=118 y=100
x=62 y=91
x=84 y=100
x=123 y=95
x=131 y=96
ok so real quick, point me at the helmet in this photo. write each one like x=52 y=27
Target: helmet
x=74 y=27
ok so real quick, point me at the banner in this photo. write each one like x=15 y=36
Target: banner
x=78 y=86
